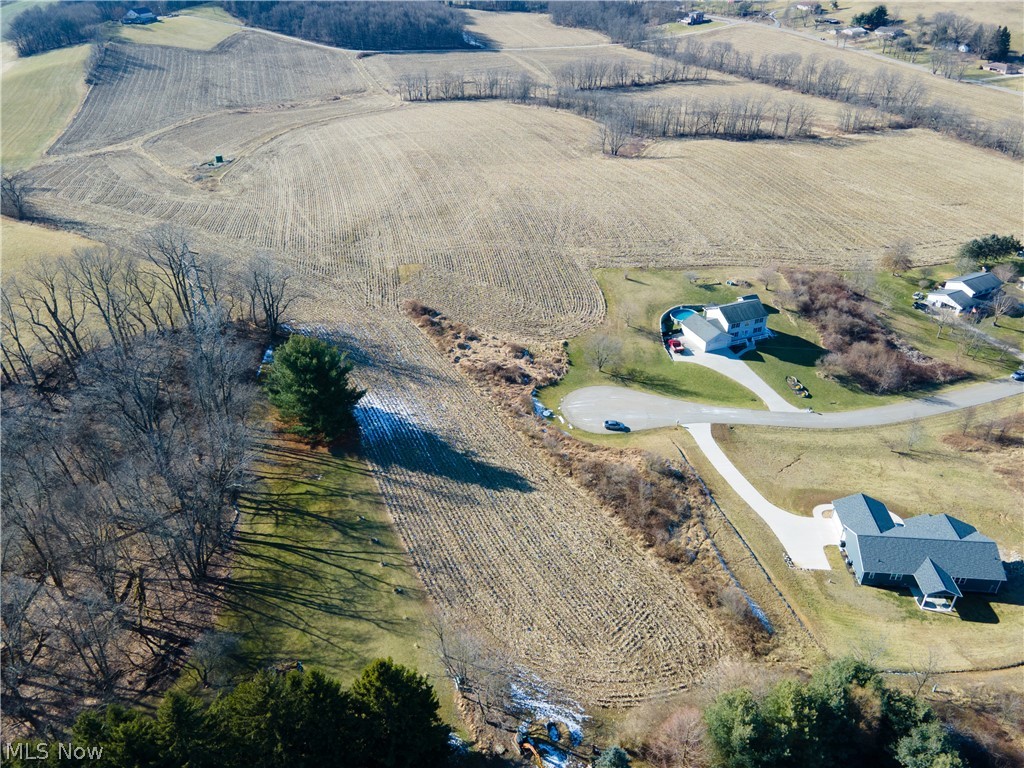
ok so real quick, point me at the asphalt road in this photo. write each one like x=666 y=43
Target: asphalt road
x=587 y=409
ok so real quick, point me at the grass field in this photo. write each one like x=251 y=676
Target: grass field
x=195 y=32
x=22 y=243
x=528 y=30
x=11 y=10
x=316 y=571
x=39 y=96
x=847 y=618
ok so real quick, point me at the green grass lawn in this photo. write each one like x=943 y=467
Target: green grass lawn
x=636 y=300
x=920 y=330
x=675 y=28
x=843 y=616
x=309 y=582
x=39 y=96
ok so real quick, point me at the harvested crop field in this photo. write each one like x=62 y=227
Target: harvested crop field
x=760 y=40
x=143 y=88
x=529 y=30
x=505 y=209
x=495 y=214
x=512 y=548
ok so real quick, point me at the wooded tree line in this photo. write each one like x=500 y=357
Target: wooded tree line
x=388 y=718
x=58 y=25
x=127 y=438
x=905 y=99
x=625 y=23
x=372 y=26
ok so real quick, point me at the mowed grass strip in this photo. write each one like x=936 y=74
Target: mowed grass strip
x=196 y=32
x=38 y=97
x=847 y=618
x=318 y=570
x=23 y=244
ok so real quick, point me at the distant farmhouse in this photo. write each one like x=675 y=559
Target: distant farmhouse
x=890 y=32
x=967 y=293
x=743 y=322
x=1002 y=67
x=693 y=18
x=139 y=16
x=937 y=557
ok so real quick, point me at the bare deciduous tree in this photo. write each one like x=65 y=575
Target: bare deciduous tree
x=605 y=350
x=268 y=292
x=14 y=194
x=1001 y=306
x=898 y=256
x=768 y=275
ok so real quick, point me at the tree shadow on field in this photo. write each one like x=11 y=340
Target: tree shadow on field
x=395 y=442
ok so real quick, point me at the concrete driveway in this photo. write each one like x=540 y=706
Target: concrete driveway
x=741 y=373
x=804 y=538
x=587 y=408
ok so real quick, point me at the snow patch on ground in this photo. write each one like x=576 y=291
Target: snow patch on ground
x=540 y=707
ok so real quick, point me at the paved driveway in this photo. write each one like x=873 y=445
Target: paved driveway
x=803 y=537
x=587 y=408
x=741 y=373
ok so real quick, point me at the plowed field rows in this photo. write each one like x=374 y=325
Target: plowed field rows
x=502 y=210
x=512 y=548
x=146 y=87
x=760 y=40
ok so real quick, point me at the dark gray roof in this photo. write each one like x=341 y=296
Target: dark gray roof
x=702 y=328
x=933 y=580
x=745 y=309
x=863 y=514
x=979 y=282
x=961 y=298
x=961 y=558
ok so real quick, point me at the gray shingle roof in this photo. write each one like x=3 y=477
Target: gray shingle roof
x=863 y=514
x=745 y=309
x=932 y=580
x=961 y=298
x=702 y=328
x=979 y=282
x=961 y=558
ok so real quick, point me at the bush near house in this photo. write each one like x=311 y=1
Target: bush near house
x=862 y=351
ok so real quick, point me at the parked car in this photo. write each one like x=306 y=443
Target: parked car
x=1017 y=376
x=918 y=295
x=615 y=426
x=921 y=305
x=676 y=345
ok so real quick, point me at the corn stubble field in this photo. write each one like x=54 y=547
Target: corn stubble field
x=495 y=214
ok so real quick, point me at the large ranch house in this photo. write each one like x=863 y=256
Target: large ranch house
x=966 y=293
x=740 y=324
x=936 y=557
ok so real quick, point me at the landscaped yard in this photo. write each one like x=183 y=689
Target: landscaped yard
x=636 y=300
x=843 y=616
x=317 y=570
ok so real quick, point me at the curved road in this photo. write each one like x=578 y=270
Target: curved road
x=587 y=408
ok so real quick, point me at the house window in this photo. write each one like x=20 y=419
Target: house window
x=894 y=576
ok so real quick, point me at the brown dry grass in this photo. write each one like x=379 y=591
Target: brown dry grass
x=529 y=30
x=759 y=40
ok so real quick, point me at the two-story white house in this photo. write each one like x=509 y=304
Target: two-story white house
x=744 y=321
x=966 y=292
